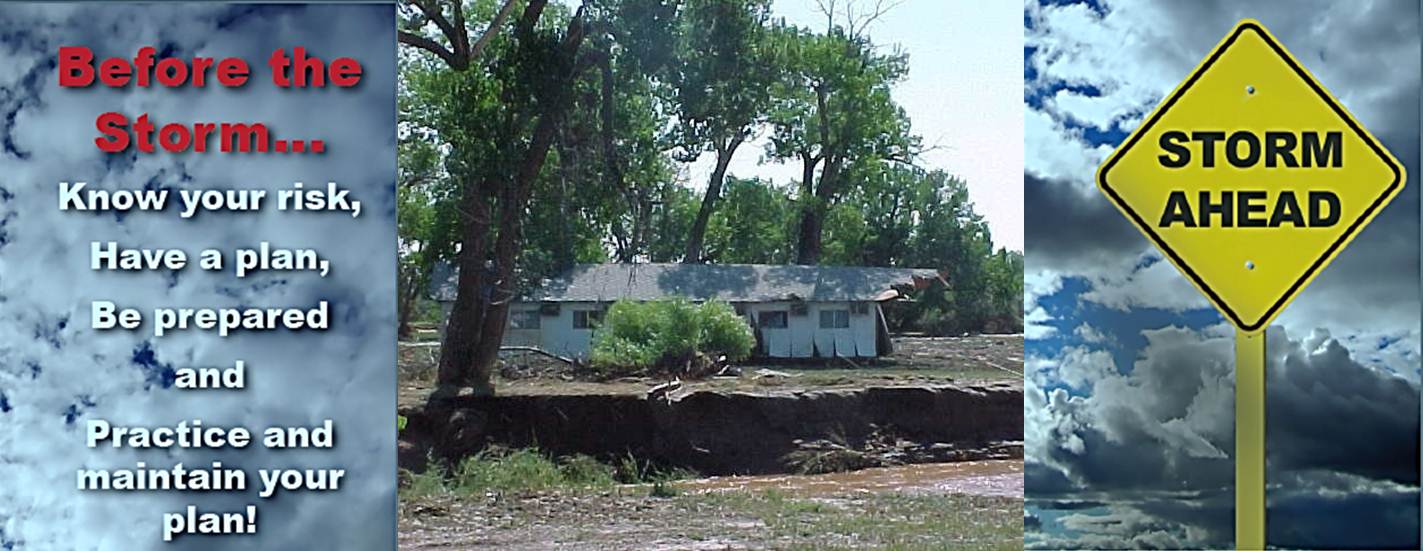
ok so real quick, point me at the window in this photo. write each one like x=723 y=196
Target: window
x=525 y=319
x=834 y=319
x=772 y=320
x=587 y=319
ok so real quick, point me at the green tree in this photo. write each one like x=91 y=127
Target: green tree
x=416 y=194
x=752 y=226
x=516 y=96
x=907 y=217
x=674 y=208
x=719 y=87
x=833 y=112
x=950 y=235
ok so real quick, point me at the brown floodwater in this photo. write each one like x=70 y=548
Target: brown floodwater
x=988 y=478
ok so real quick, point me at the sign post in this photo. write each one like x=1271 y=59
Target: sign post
x=1249 y=440
x=1250 y=178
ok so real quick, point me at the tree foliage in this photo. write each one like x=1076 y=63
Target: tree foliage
x=720 y=90
x=834 y=114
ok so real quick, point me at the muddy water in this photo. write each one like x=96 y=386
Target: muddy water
x=989 y=478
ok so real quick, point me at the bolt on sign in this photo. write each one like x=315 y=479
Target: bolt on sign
x=1250 y=177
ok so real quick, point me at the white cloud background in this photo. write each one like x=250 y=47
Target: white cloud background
x=52 y=363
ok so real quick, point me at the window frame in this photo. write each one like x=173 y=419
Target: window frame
x=762 y=316
x=534 y=315
x=592 y=319
x=837 y=315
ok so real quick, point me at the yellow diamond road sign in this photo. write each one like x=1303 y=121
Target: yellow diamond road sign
x=1250 y=177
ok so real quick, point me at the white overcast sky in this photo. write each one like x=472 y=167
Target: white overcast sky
x=964 y=94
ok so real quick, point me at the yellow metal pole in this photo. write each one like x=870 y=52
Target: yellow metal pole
x=1249 y=440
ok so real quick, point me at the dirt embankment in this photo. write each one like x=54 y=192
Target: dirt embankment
x=714 y=432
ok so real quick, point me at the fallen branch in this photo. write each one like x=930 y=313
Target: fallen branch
x=849 y=361
x=539 y=351
x=1001 y=368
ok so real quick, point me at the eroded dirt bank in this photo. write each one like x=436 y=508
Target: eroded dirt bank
x=723 y=433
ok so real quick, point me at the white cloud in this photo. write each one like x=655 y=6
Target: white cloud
x=1035 y=319
x=1091 y=335
x=1055 y=152
x=1158 y=285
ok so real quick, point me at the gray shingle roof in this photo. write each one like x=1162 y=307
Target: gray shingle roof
x=729 y=282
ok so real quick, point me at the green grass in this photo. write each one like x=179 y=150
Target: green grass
x=631 y=470
x=431 y=482
x=528 y=470
x=881 y=521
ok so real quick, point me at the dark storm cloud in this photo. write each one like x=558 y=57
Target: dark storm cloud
x=1031 y=523
x=1072 y=230
x=1325 y=411
x=1046 y=481
x=1327 y=511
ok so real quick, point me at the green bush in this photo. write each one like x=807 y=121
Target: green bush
x=668 y=336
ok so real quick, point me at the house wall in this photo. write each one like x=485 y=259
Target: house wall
x=801 y=338
x=555 y=333
x=524 y=337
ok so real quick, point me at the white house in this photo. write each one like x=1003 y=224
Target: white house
x=796 y=311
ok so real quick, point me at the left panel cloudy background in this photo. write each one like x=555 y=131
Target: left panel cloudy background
x=56 y=372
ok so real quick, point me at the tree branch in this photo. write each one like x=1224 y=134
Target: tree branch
x=532 y=13
x=432 y=9
x=881 y=7
x=411 y=39
x=494 y=26
x=460 y=52
x=461 y=39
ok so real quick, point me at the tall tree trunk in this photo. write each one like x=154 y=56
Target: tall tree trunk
x=506 y=253
x=816 y=203
x=471 y=300
x=409 y=290
x=475 y=328
x=697 y=236
x=811 y=222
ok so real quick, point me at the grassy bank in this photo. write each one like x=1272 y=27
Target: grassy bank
x=501 y=471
